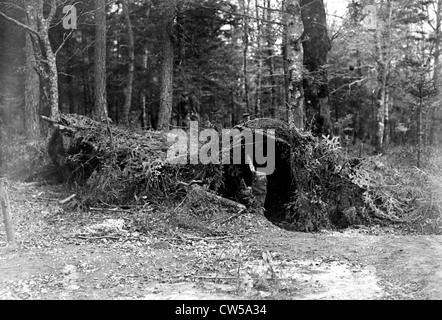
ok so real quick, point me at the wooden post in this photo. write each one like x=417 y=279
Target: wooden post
x=4 y=204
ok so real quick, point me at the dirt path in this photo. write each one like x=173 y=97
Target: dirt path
x=354 y=265
x=268 y=264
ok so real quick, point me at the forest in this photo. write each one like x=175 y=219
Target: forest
x=160 y=64
x=90 y=84
x=340 y=97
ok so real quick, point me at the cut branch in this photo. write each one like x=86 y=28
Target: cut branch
x=224 y=201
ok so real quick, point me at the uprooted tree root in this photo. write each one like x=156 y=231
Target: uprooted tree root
x=315 y=185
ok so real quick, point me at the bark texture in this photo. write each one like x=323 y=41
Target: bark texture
x=100 y=60
x=166 y=94
x=316 y=44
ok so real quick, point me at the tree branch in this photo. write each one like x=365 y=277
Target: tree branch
x=64 y=42
x=21 y=25
x=349 y=85
x=53 y=10
x=243 y=15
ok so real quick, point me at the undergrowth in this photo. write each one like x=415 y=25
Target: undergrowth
x=21 y=157
x=412 y=196
x=331 y=189
x=324 y=195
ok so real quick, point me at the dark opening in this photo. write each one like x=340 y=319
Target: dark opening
x=279 y=184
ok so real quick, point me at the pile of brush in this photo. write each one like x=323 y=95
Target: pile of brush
x=314 y=186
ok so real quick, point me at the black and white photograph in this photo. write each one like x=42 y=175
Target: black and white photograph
x=221 y=156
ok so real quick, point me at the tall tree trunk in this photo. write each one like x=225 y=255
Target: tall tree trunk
x=316 y=44
x=131 y=51
x=87 y=92
x=436 y=110
x=47 y=62
x=166 y=93
x=100 y=109
x=45 y=57
x=419 y=128
x=387 y=137
x=12 y=59
x=143 y=93
x=32 y=85
x=246 y=40
x=380 y=112
x=383 y=47
x=285 y=58
x=270 y=60
x=293 y=64
x=70 y=83
x=51 y=74
x=259 y=50
x=387 y=96
x=233 y=105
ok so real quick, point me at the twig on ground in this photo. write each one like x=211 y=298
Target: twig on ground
x=187 y=238
x=215 y=278
x=64 y=201
x=215 y=238
x=179 y=205
x=215 y=197
x=111 y=210
x=98 y=238
x=232 y=217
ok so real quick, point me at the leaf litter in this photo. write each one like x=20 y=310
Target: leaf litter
x=83 y=255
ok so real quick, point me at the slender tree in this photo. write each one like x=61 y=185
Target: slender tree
x=166 y=91
x=131 y=72
x=245 y=5
x=271 y=40
x=293 y=64
x=383 y=53
x=32 y=84
x=435 y=111
x=259 y=58
x=100 y=110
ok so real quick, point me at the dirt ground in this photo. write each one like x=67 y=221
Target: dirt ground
x=59 y=260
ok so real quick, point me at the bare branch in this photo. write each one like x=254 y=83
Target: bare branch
x=349 y=85
x=12 y=5
x=53 y=10
x=21 y=25
x=64 y=42
x=271 y=9
x=244 y=15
